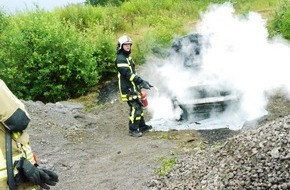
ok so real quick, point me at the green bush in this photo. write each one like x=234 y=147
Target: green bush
x=104 y=2
x=85 y=18
x=42 y=59
x=104 y=52
x=3 y=21
x=52 y=56
x=82 y=17
x=280 y=24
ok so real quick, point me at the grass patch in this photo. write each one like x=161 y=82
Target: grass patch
x=89 y=101
x=166 y=165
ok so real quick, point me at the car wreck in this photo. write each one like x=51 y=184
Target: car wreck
x=207 y=97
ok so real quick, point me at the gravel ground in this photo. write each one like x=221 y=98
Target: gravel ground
x=92 y=150
x=257 y=158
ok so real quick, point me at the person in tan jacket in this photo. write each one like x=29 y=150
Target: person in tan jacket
x=18 y=167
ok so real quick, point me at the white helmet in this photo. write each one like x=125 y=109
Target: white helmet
x=123 y=40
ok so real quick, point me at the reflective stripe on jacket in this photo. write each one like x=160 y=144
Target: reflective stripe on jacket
x=128 y=80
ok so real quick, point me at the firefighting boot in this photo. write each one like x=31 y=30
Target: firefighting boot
x=143 y=127
x=135 y=133
x=134 y=129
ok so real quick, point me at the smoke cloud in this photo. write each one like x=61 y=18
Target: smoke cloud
x=237 y=52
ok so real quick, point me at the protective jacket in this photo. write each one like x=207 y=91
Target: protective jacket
x=128 y=80
x=13 y=117
x=20 y=148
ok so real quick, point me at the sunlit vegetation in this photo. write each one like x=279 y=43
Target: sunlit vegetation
x=60 y=54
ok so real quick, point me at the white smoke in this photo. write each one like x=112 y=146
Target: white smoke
x=237 y=50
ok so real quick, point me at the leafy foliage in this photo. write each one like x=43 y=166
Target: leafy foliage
x=3 y=21
x=104 y=2
x=52 y=56
x=104 y=54
x=46 y=60
x=280 y=24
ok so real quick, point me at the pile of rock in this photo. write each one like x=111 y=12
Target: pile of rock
x=254 y=159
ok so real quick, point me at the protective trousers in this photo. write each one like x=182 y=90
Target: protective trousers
x=135 y=115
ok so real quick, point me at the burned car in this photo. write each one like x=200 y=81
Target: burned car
x=207 y=95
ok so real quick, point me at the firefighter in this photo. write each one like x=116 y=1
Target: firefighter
x=18 y=166
x=130 y=85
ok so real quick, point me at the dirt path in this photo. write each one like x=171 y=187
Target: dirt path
x=92 y=150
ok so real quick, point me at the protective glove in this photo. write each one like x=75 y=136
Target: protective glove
x=37 y=176
x=146 y=85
